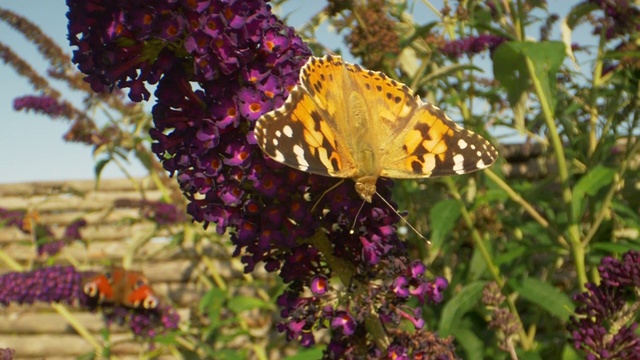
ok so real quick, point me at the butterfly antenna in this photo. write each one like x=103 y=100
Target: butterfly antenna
x=325 y=193
x=403 y=219
x=356 y=218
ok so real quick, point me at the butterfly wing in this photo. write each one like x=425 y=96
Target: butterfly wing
x=431 y=145
x=131 y=289
x=136 y=291
x=307 y=132
x=99 y=287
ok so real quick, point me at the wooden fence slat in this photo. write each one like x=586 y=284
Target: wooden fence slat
x=81 y=186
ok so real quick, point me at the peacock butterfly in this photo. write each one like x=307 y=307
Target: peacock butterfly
x=123 y=287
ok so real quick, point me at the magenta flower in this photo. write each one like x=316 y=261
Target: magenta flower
x=471 y=46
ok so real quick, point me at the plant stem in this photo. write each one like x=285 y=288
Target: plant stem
x=573 y=232
x=493 y=269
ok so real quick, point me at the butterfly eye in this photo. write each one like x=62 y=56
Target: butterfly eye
x=150 y=302
x=91 y=290
x=109 y=276
x=139 y=283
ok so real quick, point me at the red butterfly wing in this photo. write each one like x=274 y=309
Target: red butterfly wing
x=99 y=287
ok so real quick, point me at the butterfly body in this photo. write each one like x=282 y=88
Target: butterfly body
x=345 y=121
x=121 y=287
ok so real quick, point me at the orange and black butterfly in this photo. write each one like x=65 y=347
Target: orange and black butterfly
x=122 y=287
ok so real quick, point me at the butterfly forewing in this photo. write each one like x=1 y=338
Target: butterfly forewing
x=306 y=132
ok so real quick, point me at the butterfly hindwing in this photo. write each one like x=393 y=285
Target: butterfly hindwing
x=433 y=145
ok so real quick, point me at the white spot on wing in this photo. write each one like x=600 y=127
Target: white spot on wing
x=480 y=164
x=288 y=131
x=278 y=156
x=299 y=151
x=278 y=133
x=458 y=164
x=462 y=144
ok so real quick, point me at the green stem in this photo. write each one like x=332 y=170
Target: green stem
x=526 y=342
x=479 y=243
x=595 y=84
x=517 y=198
x=12 y=264
x=77 y=326
x=604 y=209
x=573 y=232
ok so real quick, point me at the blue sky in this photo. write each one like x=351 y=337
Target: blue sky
x=31 y=146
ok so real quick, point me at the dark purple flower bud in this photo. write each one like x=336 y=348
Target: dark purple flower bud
x=162 y=213
x=72 y=232
x=401 y=287
x=602 y=327
x=417 y=269
x=7 y=354
x=471 y=46
x=344 y=322
x=319 y=285
x=41 y=104
x=435 y=289
x=619 y=274
x=11 y=217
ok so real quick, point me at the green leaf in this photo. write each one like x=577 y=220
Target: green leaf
x=242 y=303
x=99 y=167
x=212 y=303
x=445 y=71
x=578 y=12
x=470 y=344
x=590 y=184
x=419 y=33
x=570 y=353
x=547 y=57
x=307 y=354
x=546 y=296
x=615 y=248
x=510 y=68
x=458 y=306
x=443 y=217
x=511 y=255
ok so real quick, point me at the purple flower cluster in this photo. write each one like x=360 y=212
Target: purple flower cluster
x=6 y=354
x=471 y=46
x=46 y=243
x=621 y=17
x=244 y=61
x=605 y=322
x=11 y=217
x=52 y=284
x=40 y=104
x=63 y=284
x=72 y=231
x=162 y=213
x=146 y=323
